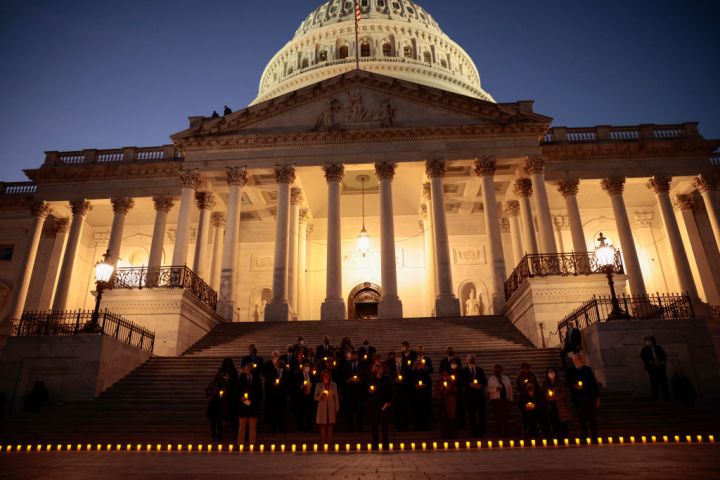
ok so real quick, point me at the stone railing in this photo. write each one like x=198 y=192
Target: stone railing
x=715 y=159
x=606 y=133
x=17 y=188
x=164 y=153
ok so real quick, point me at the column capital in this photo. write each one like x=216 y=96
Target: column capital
x=122 y=205
x=236 y=176
x=296 y=196
x=163 y=203
x=685 y=202
x=569 y=187
x=385 y=170
x=80 y=207
x=423 y=213
x=427 y=192
x=205 y=200
x=60 y=225
x=190 y=178
x=504 y=224
x=523 y=187
x=217 y=219
x=334 y=172
x=40 y=209
x=512 y=208
x=706 y=183
x=485 y=166
x=435 y=168
x=613 y=185
x=534 y=165
x=659 y=184
x=285 y=174
x=303 y=215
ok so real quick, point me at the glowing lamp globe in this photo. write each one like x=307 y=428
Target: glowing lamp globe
x=604 y=252
x=103 y=272
x=363 y=242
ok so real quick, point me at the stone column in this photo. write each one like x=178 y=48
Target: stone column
x=333 y=308
x=661 y=187
x=446 y=304
x=236 y=179
x=39 y=211
x=59 y=230
x=512 y=212
x=296 y=199
x=205 y=203
x=278 y=310
x=218 y=222
x=390 y=305
x=80 y=209
x=569 y=190
x=485 y=169
x=615 y=187
x=301 y=294
x=707 y=185
x=523 y=191
x=430 y=249
x=190 y=180
x=121 y=206
x=163 y=205
x=535 y=167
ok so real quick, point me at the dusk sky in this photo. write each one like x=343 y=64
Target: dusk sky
x=97 y=74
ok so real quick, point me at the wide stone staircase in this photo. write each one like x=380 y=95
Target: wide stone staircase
x=163 y=400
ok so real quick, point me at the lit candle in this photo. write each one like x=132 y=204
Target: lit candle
x=423 y=361
x=254 y=365
x=409 y=362
x=420 y=383
x=475 y=381
x=372 y=388
x=246 y=395
x=277 y=381
x=452 y=377
x=400 y=377
x=326 y=392
x=445 y=384
x=551 y=393
x=305 y=383
x=314 y=372
x=355 y=377
x=530 y=406
x=325 y=359
x=579 y=385
x=222 y=393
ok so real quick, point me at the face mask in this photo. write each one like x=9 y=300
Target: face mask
x=454 y=366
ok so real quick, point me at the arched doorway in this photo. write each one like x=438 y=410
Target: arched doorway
x=363 y=301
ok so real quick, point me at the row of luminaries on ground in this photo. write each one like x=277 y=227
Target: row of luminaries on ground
x=318 y=386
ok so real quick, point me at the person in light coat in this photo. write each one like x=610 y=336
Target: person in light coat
x=326 y=394
x=500 y=393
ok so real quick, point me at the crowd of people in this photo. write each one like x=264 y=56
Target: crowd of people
x=317 y=387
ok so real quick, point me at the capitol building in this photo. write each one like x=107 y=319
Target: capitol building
x=368 y=179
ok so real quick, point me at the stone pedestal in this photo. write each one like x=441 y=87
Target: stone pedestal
x=447 y=307
x=332 y=310
x=390 y=307
x=277 y=312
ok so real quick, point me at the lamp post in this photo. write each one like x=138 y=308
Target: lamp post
x=103 y=273
x=605 y=255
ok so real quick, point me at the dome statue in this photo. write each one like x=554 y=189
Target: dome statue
x=397 y=38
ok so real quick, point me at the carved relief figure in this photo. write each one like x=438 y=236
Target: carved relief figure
x=472 y=305
x=380 y=113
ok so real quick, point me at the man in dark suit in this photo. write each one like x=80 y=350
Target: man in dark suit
x=252 y=357
x=446 y=362
x=300 y=345
x=303 y=397
x=655 y=358
x=277 y=384
x=324 y=350
x=366 y=353
x=473 y=382
x=573 y=342
x=354 y=378
x=426 y=362
x=404 y=386
x=379 y=403
x=585 y=395
x=453 y=366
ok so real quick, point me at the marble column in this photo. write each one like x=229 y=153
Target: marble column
x=218 y=223
x=707 y=185
x=236 y=179
x=512 y=212
x=390 y=305
x=205 y=203
x=661 y=187
x=59 y=231
x=190 y=180
x=333 y=308
x=278 y=310
x=301 y=294
x=80 y=209
x=39 y=211
x=446 y=304
x=121 y=206
x=296 y=199
x=523 y=191
x=569 y=190
x=485 y=169
x=163 y=205
x=429 y=249
x=535 y=167
x=615 y=187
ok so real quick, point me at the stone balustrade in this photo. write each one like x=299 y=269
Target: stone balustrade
x=164 y=153
x=621 y=134
x=17 y=188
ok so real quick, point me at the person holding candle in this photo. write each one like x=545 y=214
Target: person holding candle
x=500 y=393
x=585 y=395
x=426 y=361
x=328 y=406
x=379 y=402
x=473 y=381
x=250 y=398
x=300 y=345
x=303 y=399
x=421 y=396
x=221 y=395
x=446 y=362
x=354 y=379
x=526 y=376
x=404 y=386
x=324 y=350
x=276 y=390
x=532 y=410
x=446 y=394
x=366 y=354
x=557 y=409
x=253 y=358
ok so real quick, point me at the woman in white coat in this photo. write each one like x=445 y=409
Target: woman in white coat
x=326 y=394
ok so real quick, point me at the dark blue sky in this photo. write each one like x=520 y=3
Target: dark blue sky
x=99 y=74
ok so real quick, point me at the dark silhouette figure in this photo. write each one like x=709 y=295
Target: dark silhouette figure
x=38 y=397
x=654 y=358
x=222 y=401
x=683 y=389
x=227 y=110
x=215 y=114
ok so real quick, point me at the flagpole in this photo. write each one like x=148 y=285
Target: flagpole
x=357 y=35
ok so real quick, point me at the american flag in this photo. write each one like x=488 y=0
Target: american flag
x=358 y=13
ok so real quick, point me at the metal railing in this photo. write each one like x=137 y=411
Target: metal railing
x=163 y=153
x=716 y=312
x=165 y=277
x=559 y=264
x=34 y=324
x=17 y=188
x=668 y=306
x=620 y=133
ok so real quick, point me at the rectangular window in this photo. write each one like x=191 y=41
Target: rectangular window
x=6 y=252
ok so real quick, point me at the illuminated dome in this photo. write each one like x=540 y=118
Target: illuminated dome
x=398 y=38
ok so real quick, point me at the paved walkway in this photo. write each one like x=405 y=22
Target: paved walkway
x=631 y=462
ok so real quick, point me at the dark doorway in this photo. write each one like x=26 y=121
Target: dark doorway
x=363 y=301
